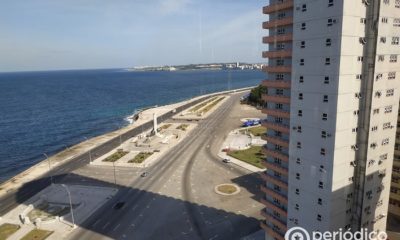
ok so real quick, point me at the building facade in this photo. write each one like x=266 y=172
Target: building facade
x=394 y=201
x=332 y=102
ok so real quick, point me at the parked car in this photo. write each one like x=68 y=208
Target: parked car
x=144 y=174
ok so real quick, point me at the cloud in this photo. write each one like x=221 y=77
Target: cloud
x=174 y=6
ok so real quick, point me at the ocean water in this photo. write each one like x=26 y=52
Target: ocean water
x=45 y=112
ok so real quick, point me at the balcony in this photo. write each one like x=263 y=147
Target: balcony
x=275 y=167
x=275 y=140
x=270 y=218
x=276 y=113
x=278 y=23
x=278 y=7
x=271 y=232
x=276 y=181
x=274 y=194
x=277 y=54
x=278 y=38
x=276 y=126
x=275 y=98
x=276 y=83
x=271 y=153
x=272 y=206
x=277 y=69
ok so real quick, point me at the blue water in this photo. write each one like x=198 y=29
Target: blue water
x=44 y=112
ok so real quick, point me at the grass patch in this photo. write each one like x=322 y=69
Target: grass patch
x=140 y=157
x=7 y=230
x=211 y=105
x=228 y=189
x=163 y=127
x=182 y=127
x=256 y=131
x=252 y=156
x=115 y=156
x=37 y=234
x=197 y=107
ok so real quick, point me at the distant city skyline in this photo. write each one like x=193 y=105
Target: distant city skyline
x=56 y=35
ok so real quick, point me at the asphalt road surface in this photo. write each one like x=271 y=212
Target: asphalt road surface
x=176 y=201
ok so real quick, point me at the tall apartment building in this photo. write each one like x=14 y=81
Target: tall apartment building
x=331 y=103
x=394 y=201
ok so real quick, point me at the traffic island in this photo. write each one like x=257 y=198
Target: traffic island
x=7 y=229
x=37 y=234
x=227 y=189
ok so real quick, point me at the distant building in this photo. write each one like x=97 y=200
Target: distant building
x=331 y=101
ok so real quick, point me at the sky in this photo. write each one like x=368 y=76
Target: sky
x=86 y=34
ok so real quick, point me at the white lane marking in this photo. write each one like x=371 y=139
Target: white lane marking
x=106 y=225
x=116 y=227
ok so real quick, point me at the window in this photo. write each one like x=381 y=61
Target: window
x=360 y=58
x=323 y=134
x=324 y=116
x=325 y=98
x=388 y=109
x=374 y=128
x=319 y=217
x=280 y=31
x=280 y=62
x=278 y=106
x=331 y=21
x=298 y=176
x=363 y=20
x=359 y=76
x=328 y=42
x=385 y=141
x=297 y=191
x=279 y=91
x=375 y=111
x=381 y=58
x=301 y=79
x=302 y=62
x=277 y=161
x=319 y=201
x=383 y=39
x=395 y=40
x=304 y=7
x=327 y=61
x=391 y=75
x=303 y=26
x=321 y=185
x=384 y=20
x=389 y=92
x=298 y=161
x=280 y=46
x=393 y=58
x=302 y=44
x=299 y=129
x=281 y=15
x=279 y=77
x=326 y=80
x=387 y=125
x=330 y=3
x=323 y=152
x=397 y=4
x=300 y=113
x=297 y=207
x=298 y=144
x=300 y=96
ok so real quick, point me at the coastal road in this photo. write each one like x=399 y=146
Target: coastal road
x=17 y=196
x=176 y=200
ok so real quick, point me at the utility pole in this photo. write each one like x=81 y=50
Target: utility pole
x=70 y=205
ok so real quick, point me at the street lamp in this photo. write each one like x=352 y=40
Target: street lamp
x=48 y=160
x=70 y=205
x=115 y=177
x=90 y=151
